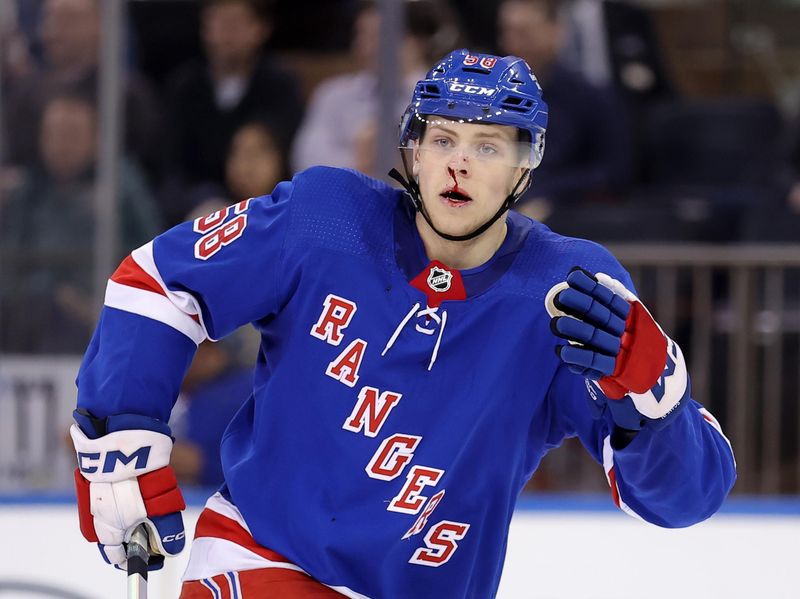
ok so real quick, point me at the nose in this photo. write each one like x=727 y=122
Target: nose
x=459 y=162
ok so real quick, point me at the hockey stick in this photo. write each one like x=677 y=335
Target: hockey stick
x=138 y=556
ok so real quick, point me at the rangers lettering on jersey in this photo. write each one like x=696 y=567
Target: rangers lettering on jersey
x=392 y=456
x=371 y=412
x=336 y=316
x=409 y=500
x=422 y=521
x=440 y=544
x=345 y=367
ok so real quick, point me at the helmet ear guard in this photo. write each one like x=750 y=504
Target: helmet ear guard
x=537 y=149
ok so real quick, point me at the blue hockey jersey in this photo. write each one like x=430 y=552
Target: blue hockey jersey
x=386 y=441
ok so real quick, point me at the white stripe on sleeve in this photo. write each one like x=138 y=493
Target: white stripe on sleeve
x=154 y=306
x=182 y=300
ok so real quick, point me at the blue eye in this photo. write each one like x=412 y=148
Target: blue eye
x=442 y=142
x=487 y=150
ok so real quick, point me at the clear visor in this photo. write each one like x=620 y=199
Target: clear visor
x=454 y=142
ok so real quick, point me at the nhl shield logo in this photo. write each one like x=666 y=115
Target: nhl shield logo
x=439 y=279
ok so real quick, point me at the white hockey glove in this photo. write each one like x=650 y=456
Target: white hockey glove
x=124 y=479
x=632 y=368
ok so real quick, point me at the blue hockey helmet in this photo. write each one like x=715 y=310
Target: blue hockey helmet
x=481 y=88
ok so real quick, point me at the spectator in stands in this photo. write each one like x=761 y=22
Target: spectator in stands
x=339 y=126
x=614 y=42
x=16 y=60
x=47 y=232
x=16 y=63
x=70 y=38
x=588 y=141
x=209 y=101
x=256 y=162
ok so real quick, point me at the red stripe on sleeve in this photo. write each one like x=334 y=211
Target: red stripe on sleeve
x=131 y=274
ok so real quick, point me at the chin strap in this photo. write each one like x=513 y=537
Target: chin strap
x=412 y=188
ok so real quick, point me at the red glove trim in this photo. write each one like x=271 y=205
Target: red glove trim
x=160 y=492
x=85 y=518
x=641 y=358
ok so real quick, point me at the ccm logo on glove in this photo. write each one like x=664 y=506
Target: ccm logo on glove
x=124 y=479
x=120 y=455
x=111 y=459
x=170 y=538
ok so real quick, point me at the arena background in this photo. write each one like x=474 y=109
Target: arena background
x=707 y=222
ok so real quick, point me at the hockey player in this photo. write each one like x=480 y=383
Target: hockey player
x=406 y=387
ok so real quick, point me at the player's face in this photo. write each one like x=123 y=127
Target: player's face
x=466 y=171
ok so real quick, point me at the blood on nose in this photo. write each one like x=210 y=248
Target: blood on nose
x=453 y=175
x=456 y=188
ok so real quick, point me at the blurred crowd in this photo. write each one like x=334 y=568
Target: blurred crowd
x=224 y=98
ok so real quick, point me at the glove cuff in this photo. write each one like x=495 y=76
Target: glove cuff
x=657 y=407
x=670 y=392
x=94 y=427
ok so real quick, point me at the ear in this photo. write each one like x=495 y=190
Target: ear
x=525 y=173
x=415 y=160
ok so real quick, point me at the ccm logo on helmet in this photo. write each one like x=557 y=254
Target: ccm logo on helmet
x=471 y=89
